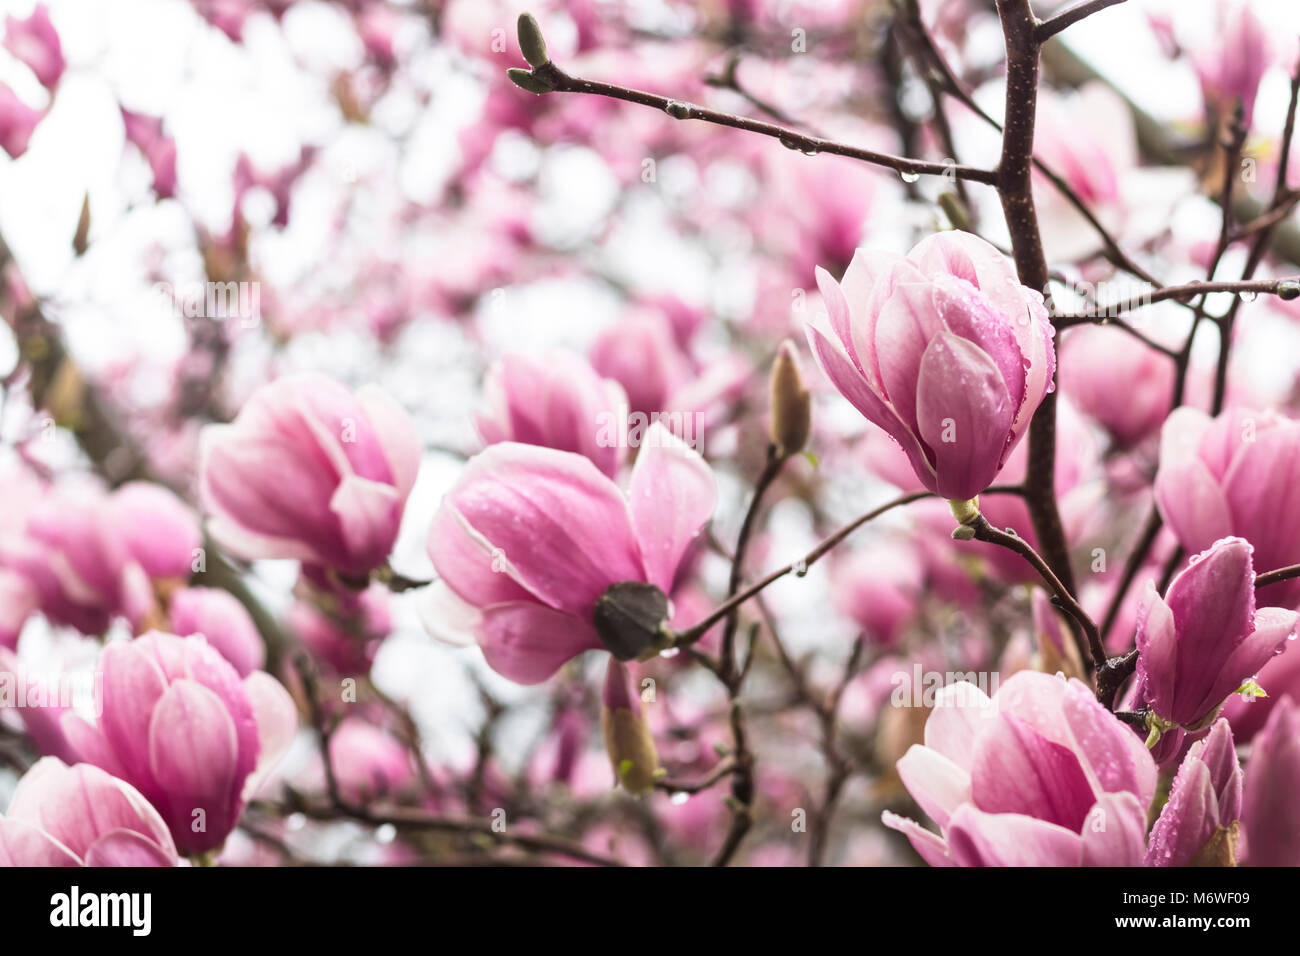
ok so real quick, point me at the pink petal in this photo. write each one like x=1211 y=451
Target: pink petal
x=563 y=528
x=928 y=844
x=671 y=497
x=1114 y=832
x=976 y=838
x=527 y=643
x=127 y=848
x=960 y=396
x=938 y=785
x=854 y=387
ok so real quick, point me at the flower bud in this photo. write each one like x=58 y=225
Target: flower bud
x=531 y=43
x=628 y=740
x=791 y=403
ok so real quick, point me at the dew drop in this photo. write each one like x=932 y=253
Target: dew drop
x=1248 y=296
x=670 y=652
x=908 y=176
x=679 y=798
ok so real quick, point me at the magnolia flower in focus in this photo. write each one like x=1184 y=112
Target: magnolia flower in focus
x=50 y=821
x=1204 y=639
x=312 y=471
x=180 y=725
x=944 y=349
x=1040 y=775
x=1199 y=824
x=558 y=401
x=541 y=557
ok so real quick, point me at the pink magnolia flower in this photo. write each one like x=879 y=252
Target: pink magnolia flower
x=641 y=354
x=159 y=149
x=223 y=622
x=1040 y=775
x=312 y=471
x=944 y=350
x=1204 y=638
x=17 y=122
x=1234 y=475
x=35 y=42
x=1122 y=383
x=1270 y=813
x=1205 y=798
x=81 y=816
x=369 y=762
x=180 y=725
x=530 y=539
x=89 y=555
x=558 y=401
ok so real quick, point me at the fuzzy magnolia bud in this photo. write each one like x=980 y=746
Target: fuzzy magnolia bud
x=81 y=239
x=628 y=740
x=531 y=43
x=791 y=403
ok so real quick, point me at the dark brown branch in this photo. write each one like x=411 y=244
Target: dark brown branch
x=561 y=82
x=1061 y=595
x=1287 y=287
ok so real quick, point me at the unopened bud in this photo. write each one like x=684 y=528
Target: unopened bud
x=628 y=740
x=81 y=239
x=531 y=43
x=526 y=80
x=955 y=210
x=791 y=403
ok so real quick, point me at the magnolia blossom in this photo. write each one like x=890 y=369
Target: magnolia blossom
x=558 y=401
x=944 y=349
x=180 y=725
x=1039 y=775
x=1204 y=638
x=1234 y=475
x=81 y=816
x=1199 y=822
x=88 y=555
x=312 y=471
x=529 y=539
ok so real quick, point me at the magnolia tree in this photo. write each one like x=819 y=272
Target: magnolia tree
x=843 y=432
